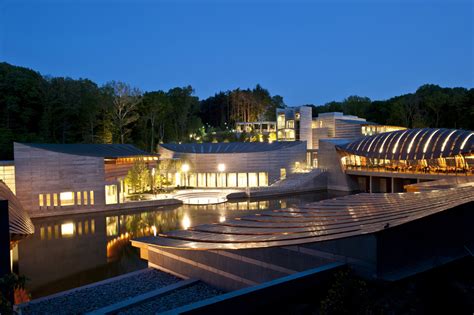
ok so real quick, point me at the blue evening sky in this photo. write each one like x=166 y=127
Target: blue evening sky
x=306 y=51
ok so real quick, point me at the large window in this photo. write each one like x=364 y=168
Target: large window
x=232 y=180
x=201 y=179
x=211 y=179
x=110 y=194
x=79 y=198
x=66 y=198
x=242 y=180
x=253 y=180
x=221 y=180
x=262 y=179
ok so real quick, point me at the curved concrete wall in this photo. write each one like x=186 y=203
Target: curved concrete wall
x=266 y=161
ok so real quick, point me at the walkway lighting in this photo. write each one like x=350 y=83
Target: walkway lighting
x=221 y=167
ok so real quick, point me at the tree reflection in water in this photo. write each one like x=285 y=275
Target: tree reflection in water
x=97 y=245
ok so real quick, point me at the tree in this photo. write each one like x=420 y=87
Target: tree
x=138 y=177
x=155 y=109
x=125 y=100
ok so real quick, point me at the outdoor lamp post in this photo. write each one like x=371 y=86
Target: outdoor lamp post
x=185 y=170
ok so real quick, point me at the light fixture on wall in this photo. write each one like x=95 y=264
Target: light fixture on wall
x=221 y=167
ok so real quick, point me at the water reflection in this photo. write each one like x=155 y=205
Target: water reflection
x=70 y=251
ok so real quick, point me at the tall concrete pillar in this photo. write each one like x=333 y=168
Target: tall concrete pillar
x=393 y=185
x=370 y=184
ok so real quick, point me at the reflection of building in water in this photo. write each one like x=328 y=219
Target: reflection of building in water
x=86 y=245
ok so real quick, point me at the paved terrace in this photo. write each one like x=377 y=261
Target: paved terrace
x=331 y=219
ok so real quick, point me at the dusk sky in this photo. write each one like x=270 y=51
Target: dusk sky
x=308 y=52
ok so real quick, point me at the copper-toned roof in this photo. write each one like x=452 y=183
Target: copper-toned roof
x=413 y=144
x=20 y=222
x=325 y=220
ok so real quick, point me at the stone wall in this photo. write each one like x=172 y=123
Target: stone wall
x=44 y=172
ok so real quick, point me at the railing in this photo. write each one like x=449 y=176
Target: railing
x=454 y=171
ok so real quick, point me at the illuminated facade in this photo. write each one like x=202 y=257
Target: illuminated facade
x=235 y=164
x=58 y=177
x=388 y=162
x=298 y=124
x=427 y=150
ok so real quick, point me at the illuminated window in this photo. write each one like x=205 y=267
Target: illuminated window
x=41 y=200
x=78 y=198
x=42 y=233
x=211 y=179
x=253 y=180
x=56 y=231
x=242 y=179
x=92 y=198
x=201 y=179
x=85 y=198
x=86 y=227
x=55 y=200
x=110 y=194
x=282 y=173
x=48 y=200
x=192 y=180
x=232 y=180
x=92 y=226
x=67 y=229
x=67 y=198
x=221 y=180
x=281 y=121
x=262 y=179
x=50 y=232
x=290 y=124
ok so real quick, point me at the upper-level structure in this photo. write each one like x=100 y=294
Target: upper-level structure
x=298 y=124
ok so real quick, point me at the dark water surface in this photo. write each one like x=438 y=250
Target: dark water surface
x=70 y=251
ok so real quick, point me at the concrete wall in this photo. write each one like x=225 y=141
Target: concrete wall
x=40 y=171
x=329 y=159
x=306 y=119
x=347 y=129
x=267 y=161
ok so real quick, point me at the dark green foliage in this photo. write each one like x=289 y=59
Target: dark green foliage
x=347 y=295
x=8 y=284
x=430 y=106
x=34 y=108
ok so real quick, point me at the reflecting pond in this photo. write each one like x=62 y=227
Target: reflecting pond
x=70 y=251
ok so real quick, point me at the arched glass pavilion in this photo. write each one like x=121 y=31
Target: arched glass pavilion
x=420 y=150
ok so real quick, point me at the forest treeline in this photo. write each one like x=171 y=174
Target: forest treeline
x=37 y=108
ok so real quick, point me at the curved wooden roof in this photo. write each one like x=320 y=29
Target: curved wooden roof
x=320 y=221
x=20 y=222
x=413 y=144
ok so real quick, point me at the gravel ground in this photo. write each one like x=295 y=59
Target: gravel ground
x=188 y=295
x=88 y=299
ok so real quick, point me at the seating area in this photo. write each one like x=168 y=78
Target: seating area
x=320 y=221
